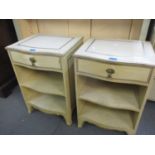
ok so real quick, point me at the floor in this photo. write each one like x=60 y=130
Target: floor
x=14 y=120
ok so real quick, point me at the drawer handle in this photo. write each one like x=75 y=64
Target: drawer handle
x=110 y=72
x=33 y=61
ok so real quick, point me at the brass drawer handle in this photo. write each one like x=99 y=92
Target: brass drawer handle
x=33 y=61
x=110 y=72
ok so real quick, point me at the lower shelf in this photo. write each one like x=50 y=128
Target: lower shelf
x=107 y=118
x=49 y=104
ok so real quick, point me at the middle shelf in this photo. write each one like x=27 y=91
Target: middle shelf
x=41 y=81
x=112 y=95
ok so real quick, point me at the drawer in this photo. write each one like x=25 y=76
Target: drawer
x=36 y=60
x=115 y=71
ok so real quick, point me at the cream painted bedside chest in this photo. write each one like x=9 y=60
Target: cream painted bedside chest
x=113 y=79
x=44 y=70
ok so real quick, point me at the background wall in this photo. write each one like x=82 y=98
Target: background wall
x=98 y=28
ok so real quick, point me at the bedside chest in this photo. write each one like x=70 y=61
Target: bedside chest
x=44 y=70
x=113 y=79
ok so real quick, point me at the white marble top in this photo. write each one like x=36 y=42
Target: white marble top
x=58 y=45
x=125 y=51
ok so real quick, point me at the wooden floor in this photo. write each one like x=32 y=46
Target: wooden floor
x=14 y=119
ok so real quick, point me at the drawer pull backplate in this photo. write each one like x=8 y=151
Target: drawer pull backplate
x=110 y=72
x=33 y=61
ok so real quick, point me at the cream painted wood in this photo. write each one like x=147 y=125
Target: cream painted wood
x=28 y=95
x=136 y=29
x=122 y=72
x=17 y=29
x=72 y=81
x=152 y=92
x=109 y=97
x=107 y=93
x=80 y=28
x=152 y=39
x=26 y=27
x=144 y=29
x=105 y=117
x=112 y=79
x=40 y=60
x=143 y=96
x=49 y=82
x=118 y=28
x=111 y=29
x=49 y=104
x=53 y=27
x=108 y=102
x=45 y=88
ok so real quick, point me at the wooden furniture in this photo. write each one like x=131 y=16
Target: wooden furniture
x=132 y=29
x=113 y=79
x=7 y=77
x=44 y=68
x=152 y=39
x=96 y=28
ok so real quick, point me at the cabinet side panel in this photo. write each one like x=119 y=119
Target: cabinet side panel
x=18 y=74
x=152 y=92
x=71 y=81
x=143 y=95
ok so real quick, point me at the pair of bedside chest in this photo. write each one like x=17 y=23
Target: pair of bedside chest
x=112 y=78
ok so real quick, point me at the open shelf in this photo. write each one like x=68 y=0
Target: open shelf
x=41 y=81
x=112 y=95
x=106 y=117
x=50 y=104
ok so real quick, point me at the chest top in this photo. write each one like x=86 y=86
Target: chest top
x=118 y=51
x=58 y=45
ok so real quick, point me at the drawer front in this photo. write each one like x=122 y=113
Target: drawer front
x=121 y=72
x=36 y=60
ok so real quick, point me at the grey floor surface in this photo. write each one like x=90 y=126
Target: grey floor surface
x=14 y=120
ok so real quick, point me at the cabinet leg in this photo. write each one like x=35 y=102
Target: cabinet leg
x=30 y=109
x=131 y=132
x=68 y=121
x=80 y=124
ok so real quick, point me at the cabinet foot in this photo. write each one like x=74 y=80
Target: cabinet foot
x=30 y=109
x=131 y=132
x=80 y=124
x=68 y=121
